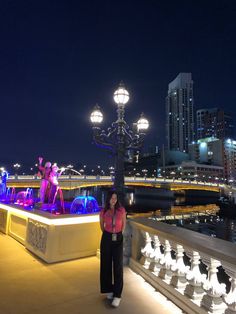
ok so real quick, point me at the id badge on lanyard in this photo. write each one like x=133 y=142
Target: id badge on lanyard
x=114 y=235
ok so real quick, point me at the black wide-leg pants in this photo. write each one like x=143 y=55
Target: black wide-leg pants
x=111 y=264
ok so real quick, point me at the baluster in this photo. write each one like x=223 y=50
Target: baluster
x=146 y=250
x=213 y=301
x=179 y=277
x=155 y=256
x=195 y=279
x=166 y=262
x=230 y=298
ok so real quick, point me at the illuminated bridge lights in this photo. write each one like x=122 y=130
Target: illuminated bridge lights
x=77 y=182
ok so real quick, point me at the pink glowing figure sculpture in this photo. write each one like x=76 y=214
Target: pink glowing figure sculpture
x=54 y=186
x=3 y=182
x=44 y=185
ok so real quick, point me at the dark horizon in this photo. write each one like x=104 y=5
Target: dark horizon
x=59 y=59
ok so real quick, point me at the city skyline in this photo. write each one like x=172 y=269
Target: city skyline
x=59 y=60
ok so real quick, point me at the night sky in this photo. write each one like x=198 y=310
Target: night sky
x=59 y=58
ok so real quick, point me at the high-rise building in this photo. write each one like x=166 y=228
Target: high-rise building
x=216 y=152
x=179 y=113
x=209 y=151
x=230 y=160
x=214 y=123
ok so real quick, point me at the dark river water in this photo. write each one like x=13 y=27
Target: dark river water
x=199 y=215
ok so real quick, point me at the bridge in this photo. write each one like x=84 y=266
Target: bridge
x=76 y=182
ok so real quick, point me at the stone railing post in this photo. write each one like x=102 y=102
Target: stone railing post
x=166 y=262
x=195 y=279
x=230 y=298
x=179 y=277
x=212 y=300
x=156 y=256
x=146 y=251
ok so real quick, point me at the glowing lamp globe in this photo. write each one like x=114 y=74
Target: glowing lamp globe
x=121 y=95
x=96 y=116
x=142 y=124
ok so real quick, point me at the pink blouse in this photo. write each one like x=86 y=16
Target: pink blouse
x=107 y=220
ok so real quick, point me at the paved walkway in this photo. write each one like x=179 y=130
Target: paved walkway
x=30 y=286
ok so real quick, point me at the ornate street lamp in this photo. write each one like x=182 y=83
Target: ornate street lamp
x=119 y=138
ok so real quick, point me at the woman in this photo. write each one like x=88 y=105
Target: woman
x=112 y=222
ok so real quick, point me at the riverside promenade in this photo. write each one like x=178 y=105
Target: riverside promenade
x=29 y=285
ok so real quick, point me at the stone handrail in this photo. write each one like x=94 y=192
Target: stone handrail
x=172 y=259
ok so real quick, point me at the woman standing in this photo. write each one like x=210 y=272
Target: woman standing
x=112 y=222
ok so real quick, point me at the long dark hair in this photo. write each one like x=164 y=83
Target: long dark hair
x=107 y=203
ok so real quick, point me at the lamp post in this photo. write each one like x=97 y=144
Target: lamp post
x=118 y=138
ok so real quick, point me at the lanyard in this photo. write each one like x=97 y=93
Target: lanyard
x=114 y=221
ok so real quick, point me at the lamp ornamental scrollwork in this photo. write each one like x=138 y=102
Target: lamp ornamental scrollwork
x=119 y=138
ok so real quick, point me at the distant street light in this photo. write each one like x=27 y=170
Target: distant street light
x=119 y=138
x=111 y=171
x=17 y=167
x=144 y=171
x=81 y=171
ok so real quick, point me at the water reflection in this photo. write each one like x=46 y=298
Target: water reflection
x=214 y=226
x=197 y=214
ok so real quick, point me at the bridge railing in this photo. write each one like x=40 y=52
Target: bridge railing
x=111 y=178
x=183 y=265
x=62 y=177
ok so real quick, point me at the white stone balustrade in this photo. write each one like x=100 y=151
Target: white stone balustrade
x=156 y=256
x=147 y=250
x=167 y=262
x=153 y=244
x=180 y=269
x=213 y=300
x=195 y=279
x=230 y=298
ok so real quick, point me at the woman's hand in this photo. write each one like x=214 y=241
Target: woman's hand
x=101 y=222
